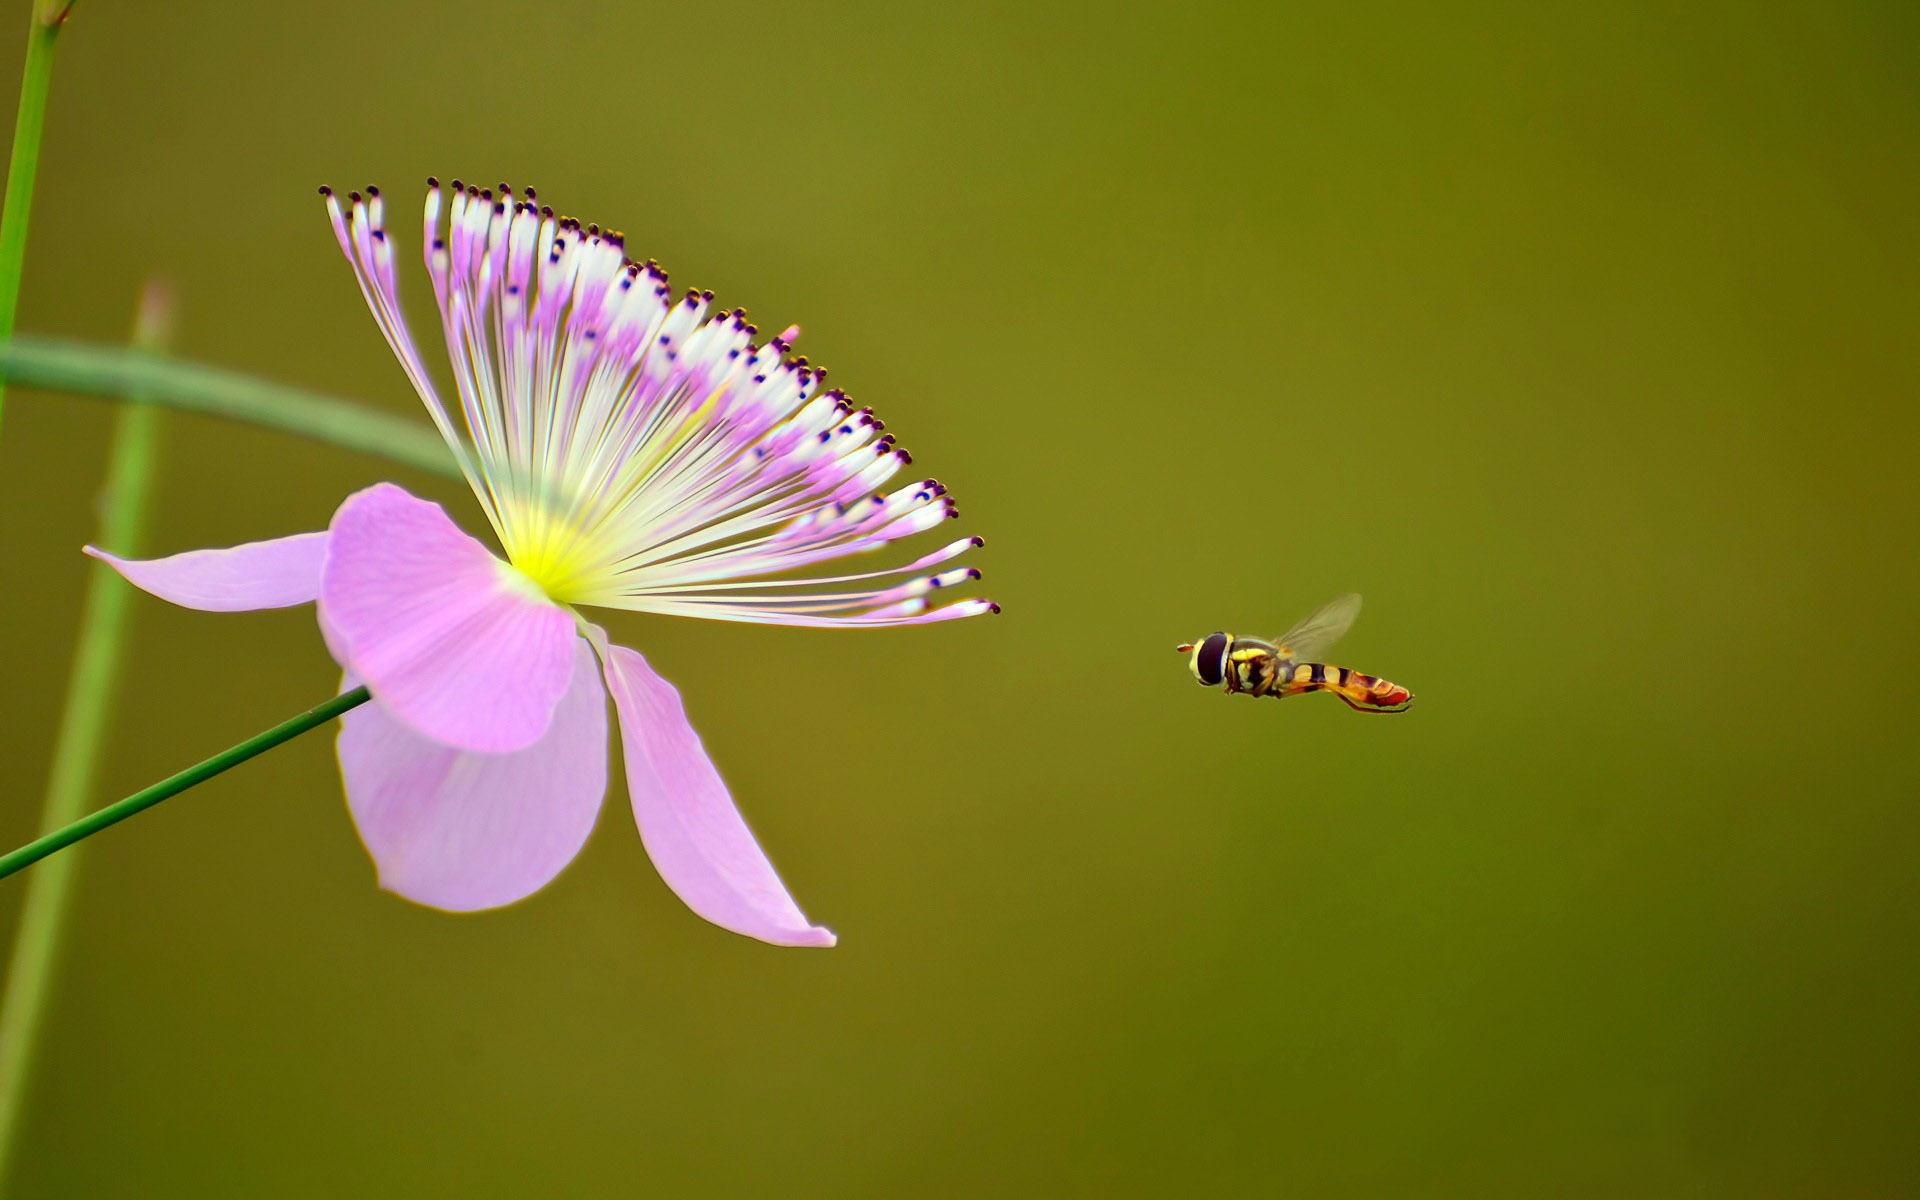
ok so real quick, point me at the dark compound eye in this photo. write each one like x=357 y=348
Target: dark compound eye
x=1210 y=661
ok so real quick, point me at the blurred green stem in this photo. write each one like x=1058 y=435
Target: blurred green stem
x=76 y=747
x=173 y=785
x=43 y=31
x=108 y=371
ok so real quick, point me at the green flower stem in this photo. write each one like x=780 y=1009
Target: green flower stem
x=111 y=372
x=83 y=720
x=42 y=32
x=146 y=798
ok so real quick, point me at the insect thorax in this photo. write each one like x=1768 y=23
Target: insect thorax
x=1255 y=662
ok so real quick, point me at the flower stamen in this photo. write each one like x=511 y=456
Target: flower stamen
x=630 y=448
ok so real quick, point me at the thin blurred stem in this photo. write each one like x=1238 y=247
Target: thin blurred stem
x=199 y=773
x=109 y=371
x=42 y=32
x=83 y=720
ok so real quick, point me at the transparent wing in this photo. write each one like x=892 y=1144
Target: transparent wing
x=1316 y=635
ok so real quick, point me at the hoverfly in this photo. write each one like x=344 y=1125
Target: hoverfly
x=1275 y=668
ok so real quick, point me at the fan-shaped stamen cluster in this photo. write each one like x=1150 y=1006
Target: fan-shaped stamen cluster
x=632 y=450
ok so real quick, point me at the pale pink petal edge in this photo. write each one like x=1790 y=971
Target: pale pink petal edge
x=462 y=831
x=451 y=638
x=693 y=832
x=278 y=573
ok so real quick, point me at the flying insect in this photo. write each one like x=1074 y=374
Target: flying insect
x=1287 y=666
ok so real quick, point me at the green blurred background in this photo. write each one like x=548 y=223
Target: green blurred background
x=1580 y=339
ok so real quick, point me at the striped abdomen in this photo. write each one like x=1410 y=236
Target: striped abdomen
x=1368 y=693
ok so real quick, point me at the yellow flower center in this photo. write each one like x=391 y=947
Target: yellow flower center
x=554 y=553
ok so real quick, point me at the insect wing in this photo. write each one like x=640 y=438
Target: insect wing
x=1314 y=636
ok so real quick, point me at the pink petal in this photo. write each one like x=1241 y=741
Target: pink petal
x=273 y=574
x=691 y=828
x=462 y=831
x=453 y=640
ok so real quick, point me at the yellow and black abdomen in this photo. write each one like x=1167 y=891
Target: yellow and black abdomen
x=1368 y=693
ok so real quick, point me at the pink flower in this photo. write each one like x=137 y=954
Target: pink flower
x=631 y=451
